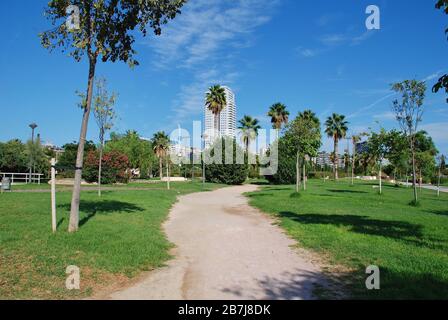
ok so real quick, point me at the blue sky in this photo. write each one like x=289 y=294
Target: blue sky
x=314 y=54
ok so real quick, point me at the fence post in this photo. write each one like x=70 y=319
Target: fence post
x=53 y=194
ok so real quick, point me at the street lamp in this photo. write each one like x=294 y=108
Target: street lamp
x=33 y=126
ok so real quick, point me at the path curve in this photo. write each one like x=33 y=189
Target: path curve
x=226 y=249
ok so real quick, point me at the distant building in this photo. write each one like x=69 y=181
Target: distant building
x=323 y=159
x=227 y=119
x=362 y=147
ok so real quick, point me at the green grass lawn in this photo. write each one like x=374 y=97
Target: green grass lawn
x=355 y=227
x=119 y=237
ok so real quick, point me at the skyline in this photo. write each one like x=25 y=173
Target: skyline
x=267 y=51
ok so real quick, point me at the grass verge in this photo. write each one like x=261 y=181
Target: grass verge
x=356 y=227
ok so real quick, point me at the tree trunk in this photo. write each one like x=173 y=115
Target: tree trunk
x=217 y=126
x=297 y=173
x=336 y=159
x=161 y=168
x=167 y=174
x=353 y=164
x=414 y=173
x=438 y=183
x=74 y=211
x=100 y=167
x=381 y=180
x=304 y=175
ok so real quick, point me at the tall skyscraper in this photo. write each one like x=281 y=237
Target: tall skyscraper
x=227 y=119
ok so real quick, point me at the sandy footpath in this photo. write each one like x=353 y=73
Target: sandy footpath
x=226 y=249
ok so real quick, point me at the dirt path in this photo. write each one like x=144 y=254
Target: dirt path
x=225 y=249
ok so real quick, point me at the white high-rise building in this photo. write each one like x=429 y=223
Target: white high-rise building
x=227 y=119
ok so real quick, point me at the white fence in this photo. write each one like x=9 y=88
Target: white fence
x=22 y=177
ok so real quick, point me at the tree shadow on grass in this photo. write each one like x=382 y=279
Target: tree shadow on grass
x=443 y=212
x=92 y=208
x=361 y=224
x=398 y=285
x=345 y=191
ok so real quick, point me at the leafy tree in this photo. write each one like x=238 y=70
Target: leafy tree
x=398 y=154
x=103 y=110
x=306 y=130
x=426 y=152
x=279 y=116
x=409 y=112
x=67 y=161
x=35 y=151
x=160 y=144
x=336 y=128
x=105 y=32
x=215 y=100
x=138 y=151
x=379 y=148
x=115 y=167
x=443 y=81
x=13 y=157
x=356 y=138
x=249 y=128
x=227 y=173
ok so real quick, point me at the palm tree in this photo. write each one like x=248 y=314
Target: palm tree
x=336 y=128
x=216 y=101
x=279 y=116
x=249 y=127
x=160 y=143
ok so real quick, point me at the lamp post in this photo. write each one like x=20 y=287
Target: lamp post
x=33 y=126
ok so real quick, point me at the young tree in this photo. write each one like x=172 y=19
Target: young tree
x=356 y=138
x=215 y=100
x=102 y=30
x=103 y=110
x=336 y=128
x=160 y=143
x=304 y=132
x=279 y=116
x=378 y=148
x=409 y=112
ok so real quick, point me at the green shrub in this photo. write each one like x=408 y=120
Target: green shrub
x=232 y=174
x=115 y=167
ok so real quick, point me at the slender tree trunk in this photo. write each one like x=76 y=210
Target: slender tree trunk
x=167 y=173
x=304 y=175
x=74 y=211
x=381 y=180
x=100 y=166
x=297 y=173
x=414 y=173
x=353 y=164
x=336 y=159
x=161 y=168
x=438 y=183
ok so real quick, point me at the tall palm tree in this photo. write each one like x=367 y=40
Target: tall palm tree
x=216 y=101
x=336 y=128
x=249 y=127
x=279 y=116
x=160 y=143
